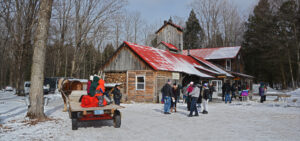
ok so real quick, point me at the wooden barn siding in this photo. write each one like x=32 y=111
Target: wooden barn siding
x=146 y=95
x=161 y=79
x=120 y=77
x=175 y=36
x=125 y=60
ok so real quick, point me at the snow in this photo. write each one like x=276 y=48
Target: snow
x=237 y=121
x=295 y=96
x=215 y=53
x=166 y=61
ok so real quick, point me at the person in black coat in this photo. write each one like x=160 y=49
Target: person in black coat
x=223 y=91
x=167 y=94
x=233 y=90
x=176 y=94
x=227 y=89
x=211 y=91
x=117 y=94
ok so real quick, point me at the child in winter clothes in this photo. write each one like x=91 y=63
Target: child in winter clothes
x=205 y=98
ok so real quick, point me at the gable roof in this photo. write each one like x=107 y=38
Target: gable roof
x=215 y=53
x=169 y=45
x=170 y=23
x=212 y=66
x=167 y=61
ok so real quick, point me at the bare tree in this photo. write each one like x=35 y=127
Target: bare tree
x=220 y=20
x=128 y=31
x=88 y=15
x=36 y=108
x=19 y=18
x=136 y=25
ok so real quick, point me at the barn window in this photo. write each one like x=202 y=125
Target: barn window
x=140 y=82
x=228 y=64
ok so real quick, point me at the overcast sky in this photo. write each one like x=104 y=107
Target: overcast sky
x=154 y=11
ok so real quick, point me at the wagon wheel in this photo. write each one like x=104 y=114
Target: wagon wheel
x=117 y=119
x=74 y=124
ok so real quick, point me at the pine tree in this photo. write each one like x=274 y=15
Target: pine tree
x=258 y=43
x=193 y=33
x=108 y=52
x=287 y=37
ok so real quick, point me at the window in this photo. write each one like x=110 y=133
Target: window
x=228 y=64
x=140 y=82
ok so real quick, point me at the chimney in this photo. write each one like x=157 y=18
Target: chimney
x=170 y=20
x=165 y=22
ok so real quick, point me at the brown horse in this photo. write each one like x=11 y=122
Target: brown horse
x=65 y=87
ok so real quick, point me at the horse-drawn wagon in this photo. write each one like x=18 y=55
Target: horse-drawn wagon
x=95 y=114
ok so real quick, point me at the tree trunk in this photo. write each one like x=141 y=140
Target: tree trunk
x=291 y=70
x=283 y=76
x=36 y=108
x=66 y=62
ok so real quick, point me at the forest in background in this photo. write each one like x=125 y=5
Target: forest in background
x=83 y=34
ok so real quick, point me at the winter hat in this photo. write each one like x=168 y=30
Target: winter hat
x=205 y=84
x=91 y=77
x=191 y=82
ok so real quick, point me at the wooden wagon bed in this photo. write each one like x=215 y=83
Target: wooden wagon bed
x=80 y=114
x=75 y=107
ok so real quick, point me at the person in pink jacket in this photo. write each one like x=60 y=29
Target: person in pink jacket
x=89 y=84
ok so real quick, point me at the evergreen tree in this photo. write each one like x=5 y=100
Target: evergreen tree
x=258 y=43
x=271 y=43
x=108 y=51
x=193 y=34
x=286 y=22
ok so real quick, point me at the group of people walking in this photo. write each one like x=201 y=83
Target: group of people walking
x=193 y=95
x=197 y=94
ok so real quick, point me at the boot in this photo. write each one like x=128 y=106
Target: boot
x=171 y=109
x=175 y=109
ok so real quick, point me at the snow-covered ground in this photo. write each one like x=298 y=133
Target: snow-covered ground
x=236 y=121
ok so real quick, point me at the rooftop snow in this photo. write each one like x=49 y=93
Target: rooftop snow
x=215 y=53
x=167 y=61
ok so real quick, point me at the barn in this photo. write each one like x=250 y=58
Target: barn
x=143 y=70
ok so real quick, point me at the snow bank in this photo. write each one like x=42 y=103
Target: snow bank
x=295 y=98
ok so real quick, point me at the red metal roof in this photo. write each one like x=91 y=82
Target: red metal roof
x=169 y=45
x=212 y=66
x=167 y=61
x=215 y=53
